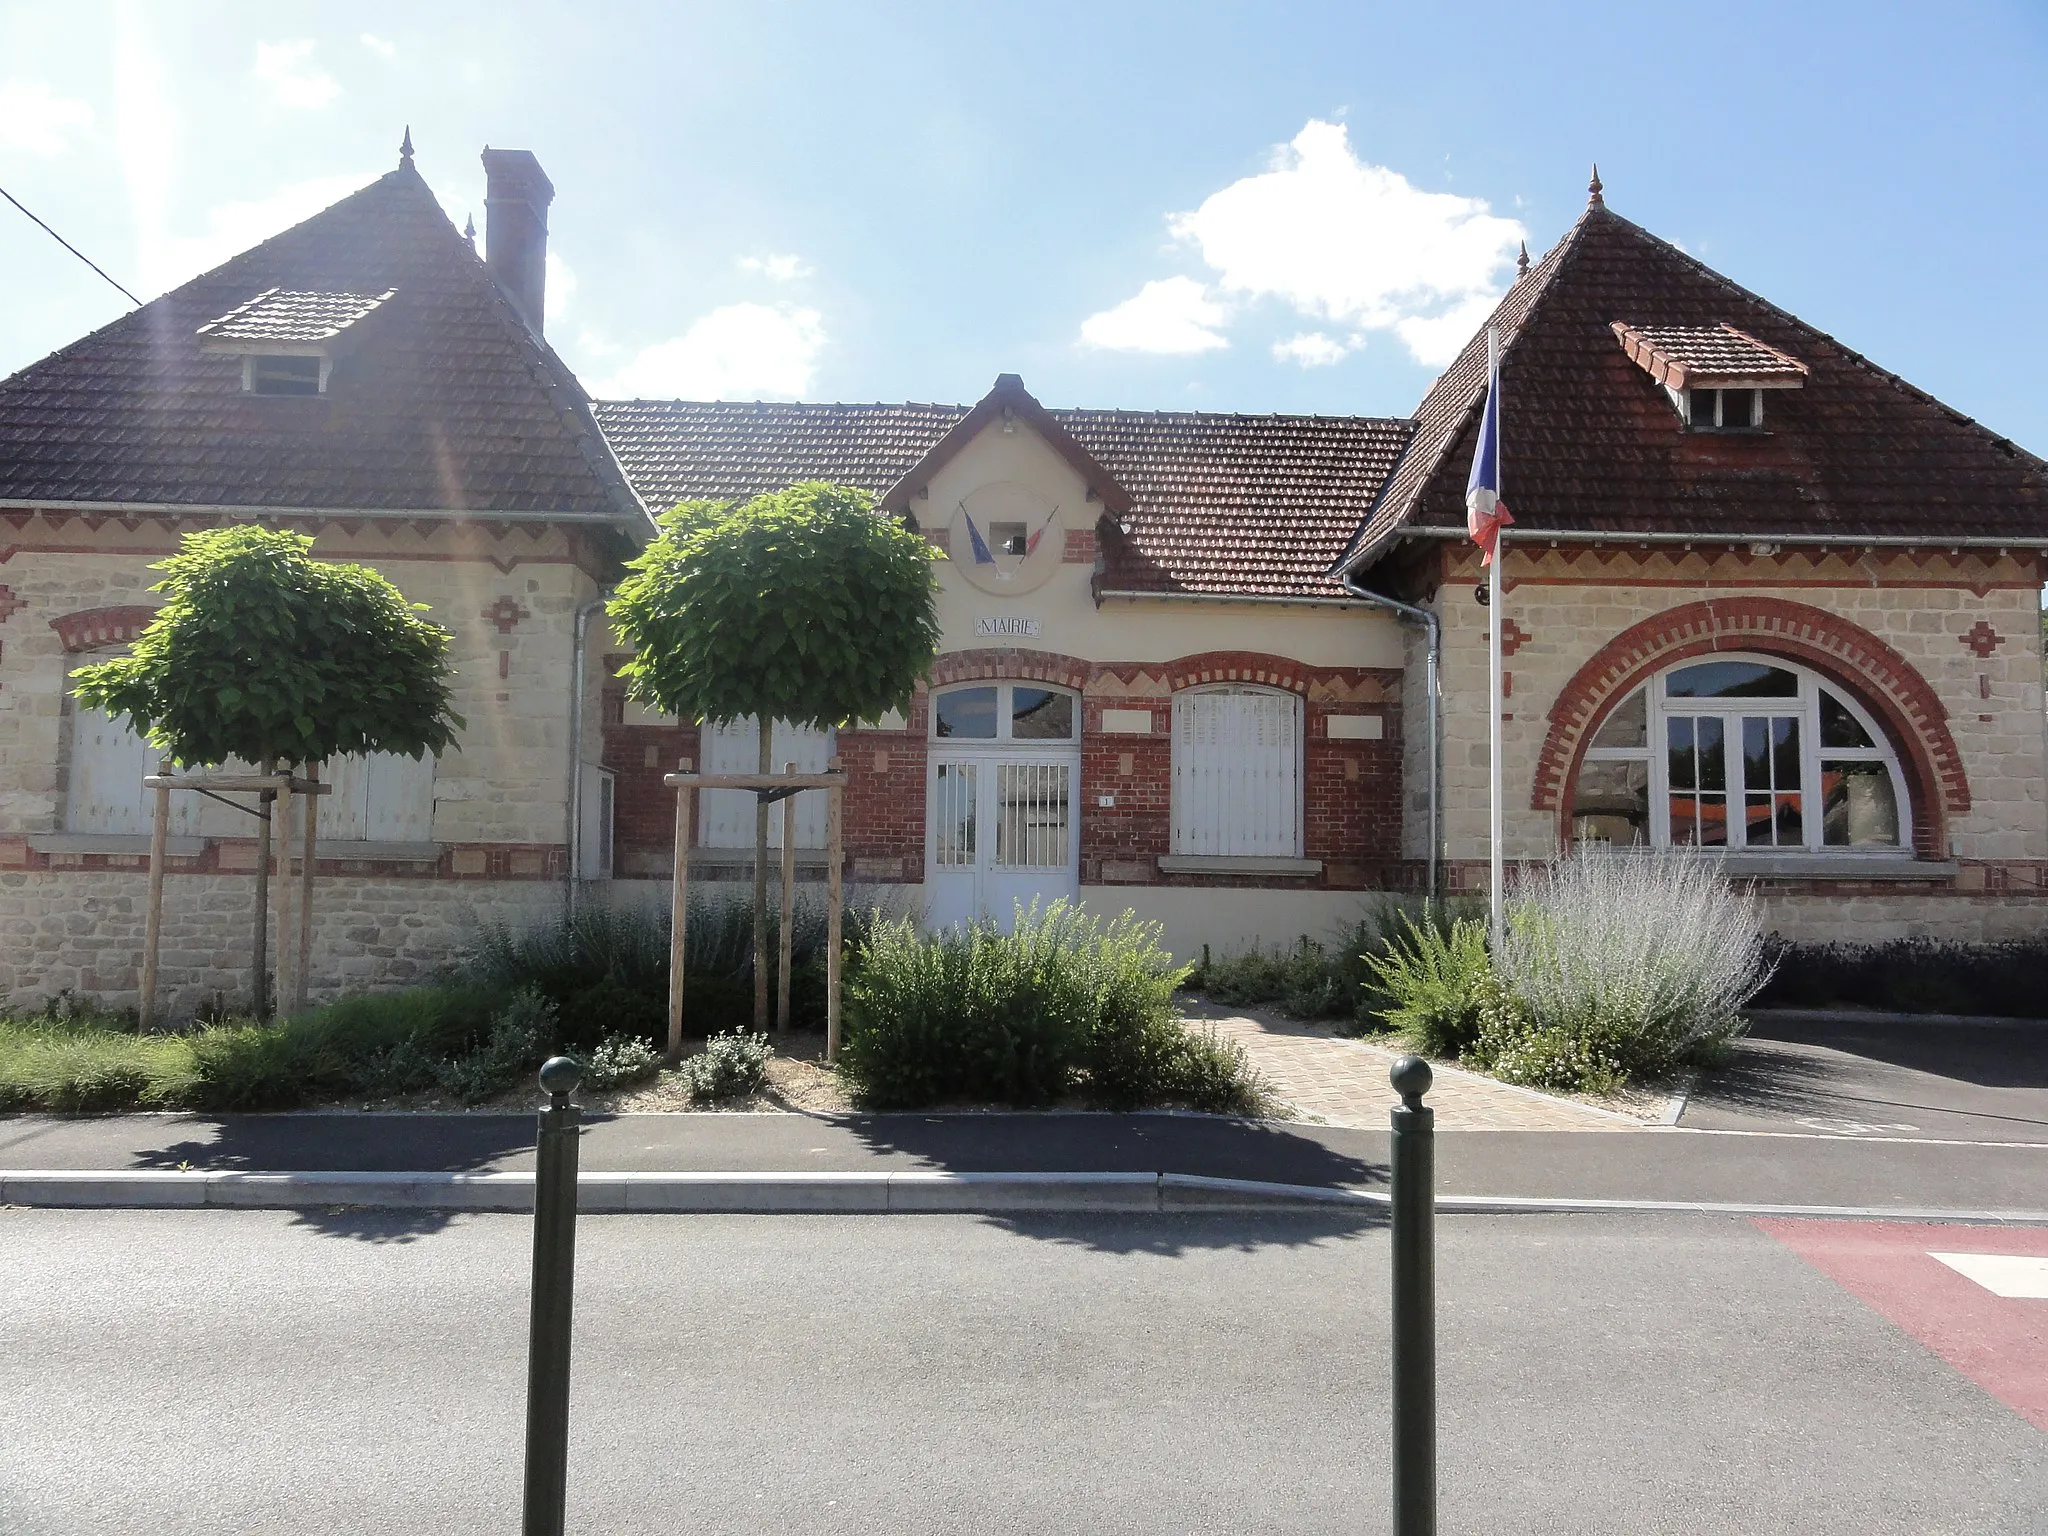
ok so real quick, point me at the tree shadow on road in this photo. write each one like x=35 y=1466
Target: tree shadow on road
x=1174 y=1234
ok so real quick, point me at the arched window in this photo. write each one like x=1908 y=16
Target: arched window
x=1237 y=773
x=1744 y=753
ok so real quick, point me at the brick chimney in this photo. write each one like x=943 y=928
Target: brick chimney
x=516 y=197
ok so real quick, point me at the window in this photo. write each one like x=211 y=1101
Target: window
x=380 y=799
x=1724 y=410
x=263 y=374
x=1237 y=773
x=1005 y=712
x=734 y=746
x=1741 y=753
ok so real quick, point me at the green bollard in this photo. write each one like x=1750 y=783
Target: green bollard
x=554 y=1286
x=1412 y=1172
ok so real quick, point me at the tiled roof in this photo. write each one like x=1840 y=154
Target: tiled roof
x=447 y=403
x=1678 y=356
x=1590 y=443
x=1221 y=504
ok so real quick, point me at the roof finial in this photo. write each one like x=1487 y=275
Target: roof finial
x=1522 y=261
x=1593 y=189
x=405 y=147
x=469 y=230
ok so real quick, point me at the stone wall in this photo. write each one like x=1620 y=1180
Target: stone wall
x=82 y=931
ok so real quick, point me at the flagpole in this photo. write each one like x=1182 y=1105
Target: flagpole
x=1497 y=621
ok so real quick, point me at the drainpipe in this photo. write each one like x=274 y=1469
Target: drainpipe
x=576 y=690
x=1433 y=630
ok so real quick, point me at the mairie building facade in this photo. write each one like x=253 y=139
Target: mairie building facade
x=1763 y=600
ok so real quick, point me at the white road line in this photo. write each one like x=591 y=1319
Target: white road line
x=2016 y=1276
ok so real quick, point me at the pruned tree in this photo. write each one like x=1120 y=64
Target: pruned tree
x=805 y=605
x=260 y=652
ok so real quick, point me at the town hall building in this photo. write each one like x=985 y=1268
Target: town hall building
x=1763 y=600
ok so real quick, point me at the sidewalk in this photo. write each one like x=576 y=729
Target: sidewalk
x=1329 y=1080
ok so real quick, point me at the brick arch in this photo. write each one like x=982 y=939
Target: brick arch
x=90 y=628
x=1257 y=667
x=1010 y=666
x=1894 y=691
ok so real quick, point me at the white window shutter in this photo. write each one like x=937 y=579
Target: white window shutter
x=383 y=798
x=1236 y=774
x=108 y=761
x=734 y=746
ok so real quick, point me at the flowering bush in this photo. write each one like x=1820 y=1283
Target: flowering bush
x=1643 y=959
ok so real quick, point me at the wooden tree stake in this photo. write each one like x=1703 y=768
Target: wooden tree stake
x=305 y=966
x=287 y=930
x=679 y=916
x=833 y=893
x=153 y=920
x=788 y=908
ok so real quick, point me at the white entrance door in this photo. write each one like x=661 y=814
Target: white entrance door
x=1003 y=834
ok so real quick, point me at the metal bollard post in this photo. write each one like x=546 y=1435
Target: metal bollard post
x=1412 y=1171
x=554 y=1281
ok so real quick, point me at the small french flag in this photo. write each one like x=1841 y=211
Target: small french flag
x=1485 y=513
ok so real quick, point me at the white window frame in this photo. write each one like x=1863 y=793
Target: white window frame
x=1004 y=713
x=1192 y=840
x=1806 y=705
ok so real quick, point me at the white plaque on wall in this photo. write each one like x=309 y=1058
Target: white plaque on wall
x=990 y=626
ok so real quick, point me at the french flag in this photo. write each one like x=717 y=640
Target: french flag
x=1485 y=513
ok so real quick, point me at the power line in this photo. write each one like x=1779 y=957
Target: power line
x=74 y=250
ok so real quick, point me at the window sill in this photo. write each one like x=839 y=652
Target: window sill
x=409 y=853
x=113 y=842
x=1836 y=866
x=1236 y=864
x=743 y=858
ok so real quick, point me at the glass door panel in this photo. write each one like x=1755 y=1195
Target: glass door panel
x=1697 y=765
x=1773 y=816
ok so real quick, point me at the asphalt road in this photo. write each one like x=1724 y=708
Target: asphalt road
x=264 y=1372
x=1841 y=1075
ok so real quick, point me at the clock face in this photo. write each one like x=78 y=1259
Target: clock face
x=1006 y=538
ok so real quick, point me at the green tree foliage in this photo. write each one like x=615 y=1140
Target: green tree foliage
x=804 y=605
x=262 y=652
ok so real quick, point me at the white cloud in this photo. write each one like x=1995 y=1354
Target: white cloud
x=736 y=352
x=1312 y=349
x=232 y=228
x=1340 y=240
x=293 y=78
x=377 y=44
x=780 y=269
x=561 y=287
x=1174 y=315
x=35 y=120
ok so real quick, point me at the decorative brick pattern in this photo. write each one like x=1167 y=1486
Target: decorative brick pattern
x=10 y=605
x=1982 y=638
x=1513 y=637
x=92 y=628
x=1020 y=666
x=507 y=614
x=1880 y=677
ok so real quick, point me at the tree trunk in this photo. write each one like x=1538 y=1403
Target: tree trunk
x=761 y=882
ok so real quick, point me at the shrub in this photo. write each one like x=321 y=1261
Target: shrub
x=1644 y=959
x=1912 y=975
x=1511 y=1046
x=1434 y=980
x=1065 y=1003
x=731 y=1066
x=1212 y=1074
x=618 y=1060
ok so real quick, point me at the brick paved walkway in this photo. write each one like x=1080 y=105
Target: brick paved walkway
x=1326 y=1078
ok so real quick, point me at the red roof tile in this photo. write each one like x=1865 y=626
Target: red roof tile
x=1684 y=356
x=1590 y=443
x=1220 y=504
x=447 y=403
x=278 y=315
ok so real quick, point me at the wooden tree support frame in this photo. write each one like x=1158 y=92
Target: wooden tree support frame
x=293 y=949
x=784 y=786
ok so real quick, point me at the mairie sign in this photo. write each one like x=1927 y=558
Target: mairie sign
x=990 y=626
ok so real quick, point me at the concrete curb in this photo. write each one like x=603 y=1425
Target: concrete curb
x=842 y=1194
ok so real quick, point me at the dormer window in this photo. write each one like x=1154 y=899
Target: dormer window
x=1723 y=410
x=288 y=341
x=286 y=375
x=1715 y=375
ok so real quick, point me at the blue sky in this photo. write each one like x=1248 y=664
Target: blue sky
x=1249 y=207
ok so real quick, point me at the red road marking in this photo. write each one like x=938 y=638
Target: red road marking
x=2000 y=1343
